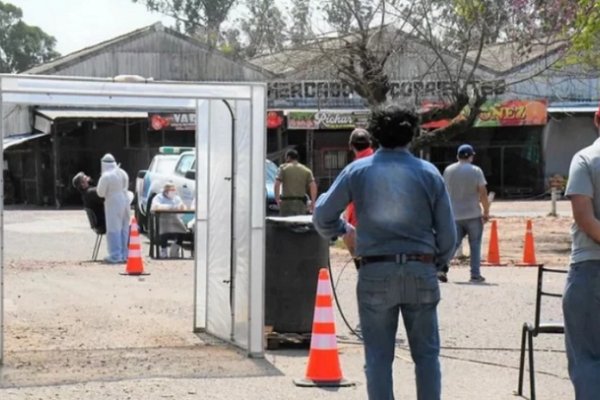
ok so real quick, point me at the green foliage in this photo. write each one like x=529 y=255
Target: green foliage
x=198 y=18
x=22 y=46
x=586 y=37
x=344 y=15
x=264 y=27
x=300 y=31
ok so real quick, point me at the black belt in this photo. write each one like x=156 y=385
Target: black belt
x=402 y=258
x=302 y=198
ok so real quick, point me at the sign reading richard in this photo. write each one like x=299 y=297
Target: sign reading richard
x=313 y=120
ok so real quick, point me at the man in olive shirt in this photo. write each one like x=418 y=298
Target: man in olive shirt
x=296 y=180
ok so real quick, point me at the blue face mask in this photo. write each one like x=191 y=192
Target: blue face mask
x=171 y=194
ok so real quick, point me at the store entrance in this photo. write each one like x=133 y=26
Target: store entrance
x=510 y=158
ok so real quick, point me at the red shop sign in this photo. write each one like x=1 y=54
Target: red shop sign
x=274 y=119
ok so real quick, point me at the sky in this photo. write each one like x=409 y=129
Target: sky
x=77 y=24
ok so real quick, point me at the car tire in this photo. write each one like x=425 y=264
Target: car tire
x=141 y=220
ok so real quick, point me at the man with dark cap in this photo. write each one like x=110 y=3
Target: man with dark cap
x=89 y=197
x=466 y=186
x=360 y=145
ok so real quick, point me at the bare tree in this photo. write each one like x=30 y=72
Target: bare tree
x=465 y=45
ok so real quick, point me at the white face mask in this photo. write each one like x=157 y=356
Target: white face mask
x=170 y=195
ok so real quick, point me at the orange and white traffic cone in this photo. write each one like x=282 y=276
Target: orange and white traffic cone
x=493 y=258
x=323 y=368
x=135 y=265
x=529 y=249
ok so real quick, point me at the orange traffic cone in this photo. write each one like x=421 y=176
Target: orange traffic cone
x=323 y=360
x=135 y=266
x=493 y=258
x=529 y=250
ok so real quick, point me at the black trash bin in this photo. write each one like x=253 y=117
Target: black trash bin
x=294 y=254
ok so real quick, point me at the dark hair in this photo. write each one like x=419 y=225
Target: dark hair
x=360 y=139
x=292 y=154
x=393 y=126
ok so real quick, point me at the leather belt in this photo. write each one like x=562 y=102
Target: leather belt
x=401 y=258
x=293 y=198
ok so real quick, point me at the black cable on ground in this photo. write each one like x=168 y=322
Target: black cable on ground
x=337 y=302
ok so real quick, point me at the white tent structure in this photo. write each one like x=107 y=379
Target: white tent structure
x=230 y=197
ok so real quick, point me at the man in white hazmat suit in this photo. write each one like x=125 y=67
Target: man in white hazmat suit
x=112 y=186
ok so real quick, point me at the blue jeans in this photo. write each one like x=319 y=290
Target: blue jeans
x=473 y=228
x=581 y=309
x=384 y=290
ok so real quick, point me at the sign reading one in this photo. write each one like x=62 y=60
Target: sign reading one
x=326 y=119
x=172 y=122
x=513 y=113
x=336 y=89
x=503 y=113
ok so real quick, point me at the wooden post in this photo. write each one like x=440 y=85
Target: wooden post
x=55 y=165
x=553 y=198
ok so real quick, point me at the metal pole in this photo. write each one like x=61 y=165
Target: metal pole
x=553 y=197
x=1 y=232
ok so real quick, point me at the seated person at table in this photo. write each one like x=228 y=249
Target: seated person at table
x=171 y=225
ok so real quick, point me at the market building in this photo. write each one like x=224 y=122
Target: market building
x=45 y=147
x=536 y=117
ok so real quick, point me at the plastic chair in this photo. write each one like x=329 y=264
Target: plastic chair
x=100 y=230
x=530 y=331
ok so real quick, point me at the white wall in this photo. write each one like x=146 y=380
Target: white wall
x=563 y=138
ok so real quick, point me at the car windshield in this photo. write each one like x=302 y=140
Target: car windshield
x=270 y=171
x=166 y=164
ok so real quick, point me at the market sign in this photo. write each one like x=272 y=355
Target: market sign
x=274 y=119
x=512 y=113
x=495 y=114
x=172 y=122
x=287 y=90
x=313 y=120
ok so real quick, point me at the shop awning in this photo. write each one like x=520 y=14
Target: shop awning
x=14 y=140
x=573 y=107
x=90 y=114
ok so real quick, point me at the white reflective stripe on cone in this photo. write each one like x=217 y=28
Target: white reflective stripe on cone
x=323 y=314
x=135 y=253
x=320 y=341
x=135 y=240
x=323 y=287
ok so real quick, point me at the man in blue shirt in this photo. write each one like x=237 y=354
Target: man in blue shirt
x=405 y=231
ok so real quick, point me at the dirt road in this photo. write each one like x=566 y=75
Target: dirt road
x=78 y=330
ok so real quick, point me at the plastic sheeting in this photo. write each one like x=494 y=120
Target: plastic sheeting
x=230 y=190
x=226 y=270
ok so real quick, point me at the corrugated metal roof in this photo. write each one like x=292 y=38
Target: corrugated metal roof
x=91 y=114
x=10 y=141
x=76 y=57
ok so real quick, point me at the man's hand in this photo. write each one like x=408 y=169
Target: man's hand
x=350 y=239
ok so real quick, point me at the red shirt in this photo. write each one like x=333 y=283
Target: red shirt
x=350 y=212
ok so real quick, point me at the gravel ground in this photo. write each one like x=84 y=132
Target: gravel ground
x=76 y=329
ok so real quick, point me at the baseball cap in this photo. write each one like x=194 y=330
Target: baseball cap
x=360 y=136
x=465 y=151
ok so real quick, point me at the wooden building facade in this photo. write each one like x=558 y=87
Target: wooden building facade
x=44 y=147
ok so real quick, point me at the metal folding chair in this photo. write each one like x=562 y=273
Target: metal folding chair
x=530 y=331
x=100 y=231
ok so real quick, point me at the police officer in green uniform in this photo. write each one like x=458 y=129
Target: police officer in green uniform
x=296 y=179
